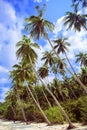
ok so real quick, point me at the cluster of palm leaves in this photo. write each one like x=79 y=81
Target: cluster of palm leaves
x=25 y=74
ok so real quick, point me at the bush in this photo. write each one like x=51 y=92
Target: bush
x=54 y=115
x=77 y=109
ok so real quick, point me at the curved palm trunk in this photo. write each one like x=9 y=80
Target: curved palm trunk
x=48 y=122
x=56 y=101
x=74 y=76
x=21 y=106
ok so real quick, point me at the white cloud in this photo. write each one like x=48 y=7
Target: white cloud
x=10 y=33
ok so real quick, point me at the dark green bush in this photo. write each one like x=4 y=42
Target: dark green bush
x=77 y=109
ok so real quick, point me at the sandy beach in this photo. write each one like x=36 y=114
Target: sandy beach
x=9 y=125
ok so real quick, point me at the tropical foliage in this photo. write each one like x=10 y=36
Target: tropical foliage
x=34 y=98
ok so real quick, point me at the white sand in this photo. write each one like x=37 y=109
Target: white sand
x=8 y=125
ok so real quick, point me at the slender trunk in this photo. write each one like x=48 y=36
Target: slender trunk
x=46 y=98
x=74 y=76
x=61 y=94
x=37 y=98
x=56 y=101
x=73 y=92
x=15 y=115
x=48 y=122
x=21 y=106
x=70 y=63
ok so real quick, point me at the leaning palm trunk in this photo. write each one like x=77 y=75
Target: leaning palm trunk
x=70 y=64
x=15 y=115
x=48 y=122
x=56 y=101
x=46 y=98
x=21 y=106
x=74 y=76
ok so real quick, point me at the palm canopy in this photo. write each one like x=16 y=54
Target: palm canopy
x=22 y=72
x=43 y=71
x=76 y=21
x=58 y=66
x=26 y=49
x=61 y=45
x=82 y=58
x=48 y=58
x=83 y=2
x=37 y=26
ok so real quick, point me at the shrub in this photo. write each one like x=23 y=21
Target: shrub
x=77 y=109
x=54 y=115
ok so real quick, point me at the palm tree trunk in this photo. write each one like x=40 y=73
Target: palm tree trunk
x=56 y=101
x=46 y=98
x=70 y=63
x=48 y=122
x=15 y=115
x=74 y=76
x=73 y=92
x=21 y=106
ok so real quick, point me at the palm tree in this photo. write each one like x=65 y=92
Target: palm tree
x=11 y=99
x=58 y=90
x=68 y=83
x=15 y=81
x=43 y=71
x=61 y=45
x=37 y=27
x=82 y=58
x=25 y=51
x=48 y=58
x=76 y=21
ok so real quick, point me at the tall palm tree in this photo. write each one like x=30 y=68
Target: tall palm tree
x=25 y=51
x=61 y=45
x=43 y=72
x=82 y=58
x=76 y=21
x=37 y=27
x=14 y=74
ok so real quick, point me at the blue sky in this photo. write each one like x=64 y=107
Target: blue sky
x=12 y=14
